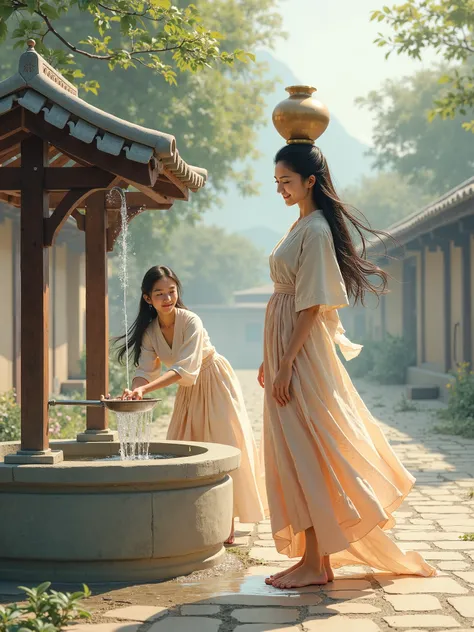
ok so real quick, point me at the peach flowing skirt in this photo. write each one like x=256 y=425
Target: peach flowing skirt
x=213 y=411
x=328 y=465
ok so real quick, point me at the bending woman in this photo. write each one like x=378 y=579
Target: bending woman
x=209 y=404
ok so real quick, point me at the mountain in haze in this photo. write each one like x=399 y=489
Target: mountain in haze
x=264 y=218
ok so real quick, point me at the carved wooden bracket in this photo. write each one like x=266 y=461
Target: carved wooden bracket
x=65 y=208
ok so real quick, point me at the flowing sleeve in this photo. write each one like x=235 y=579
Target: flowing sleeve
x=189 y=356
x=149 y=364
x=318 y=278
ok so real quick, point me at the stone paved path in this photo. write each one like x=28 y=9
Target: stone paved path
x=437 y=512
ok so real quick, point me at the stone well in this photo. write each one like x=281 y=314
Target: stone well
x=115 y=521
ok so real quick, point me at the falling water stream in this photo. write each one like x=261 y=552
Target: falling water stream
x=133 y=428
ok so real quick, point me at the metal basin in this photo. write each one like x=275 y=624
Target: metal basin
x=116 y=405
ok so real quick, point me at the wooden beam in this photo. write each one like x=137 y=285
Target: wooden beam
x=56 y=221
x=131 y=171
x=169 y=185
x=8 y=154
x=13 y=200
x=66 y=178
x=11 y=122
x=97 y=316
x=13 y=141
x=35 y=298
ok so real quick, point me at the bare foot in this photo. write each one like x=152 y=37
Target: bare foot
x=269 y=580
x=304 y=575
x=231 y=538
x=328 y=569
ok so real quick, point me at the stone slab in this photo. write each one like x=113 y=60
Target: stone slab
x=348 y=584
x=276 y=600
x=453 y=566
x=262 y=627
x=456 y=546
x=186 y=624
x=442 y=555
x=268 y=555
x=410 y=585
x=348 y=595
x=463 y=605
x=340 y=624
x=350 y=607
x=443 y=509
x=428 y=536
x=430 y=621
x=137 y=613
x=104 y=627
x=199 y=611
x=467 y=576
x=415 y=603
x=266 y=615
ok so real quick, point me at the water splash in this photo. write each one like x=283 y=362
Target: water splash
x=134 y=435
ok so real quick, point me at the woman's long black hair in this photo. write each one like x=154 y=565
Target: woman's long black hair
x=146 y=312
x=356 y=269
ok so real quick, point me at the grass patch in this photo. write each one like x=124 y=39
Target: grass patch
x=243 y=555
x=405 y=406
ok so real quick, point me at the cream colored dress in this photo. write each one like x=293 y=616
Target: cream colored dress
x=209 y=404
x=327 y=463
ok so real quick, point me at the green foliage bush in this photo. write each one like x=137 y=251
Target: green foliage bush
x=458 y=416
x=392 y=358
x=44 y=611
x=384 y=361
x=9 y=417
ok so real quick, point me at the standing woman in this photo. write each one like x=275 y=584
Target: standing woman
x=333 y=481
x=209 y=404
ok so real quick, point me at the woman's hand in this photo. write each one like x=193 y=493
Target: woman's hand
x=281 y=385
x=261 y=378
x=137 y=393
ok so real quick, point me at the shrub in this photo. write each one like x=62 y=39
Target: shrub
x=392 y=358
x=43 y=611
x=9 y=417
x=363 y=364
x=459 y=413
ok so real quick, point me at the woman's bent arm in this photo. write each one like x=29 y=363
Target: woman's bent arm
x=281 y=384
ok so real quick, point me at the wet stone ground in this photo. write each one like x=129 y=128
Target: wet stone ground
x=234 y=597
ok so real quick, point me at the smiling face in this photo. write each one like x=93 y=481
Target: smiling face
x=291 y=186
x=164 y=296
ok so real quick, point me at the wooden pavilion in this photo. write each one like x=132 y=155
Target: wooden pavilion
x=59 y=157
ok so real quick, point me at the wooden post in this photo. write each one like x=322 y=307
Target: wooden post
x=466 y=298
x=97 y=314
x=446 y=248
x=16 y=310
x=423 y=302
x=34 y=297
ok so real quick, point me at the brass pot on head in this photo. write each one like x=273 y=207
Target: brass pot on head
x=300 y=118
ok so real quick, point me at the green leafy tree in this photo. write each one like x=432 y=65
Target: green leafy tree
x=214 y=113
x=385 y=198
x=155 y=34
x=446 y=26
x=435 y=156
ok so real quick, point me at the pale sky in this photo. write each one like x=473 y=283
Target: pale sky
x=330 y=46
